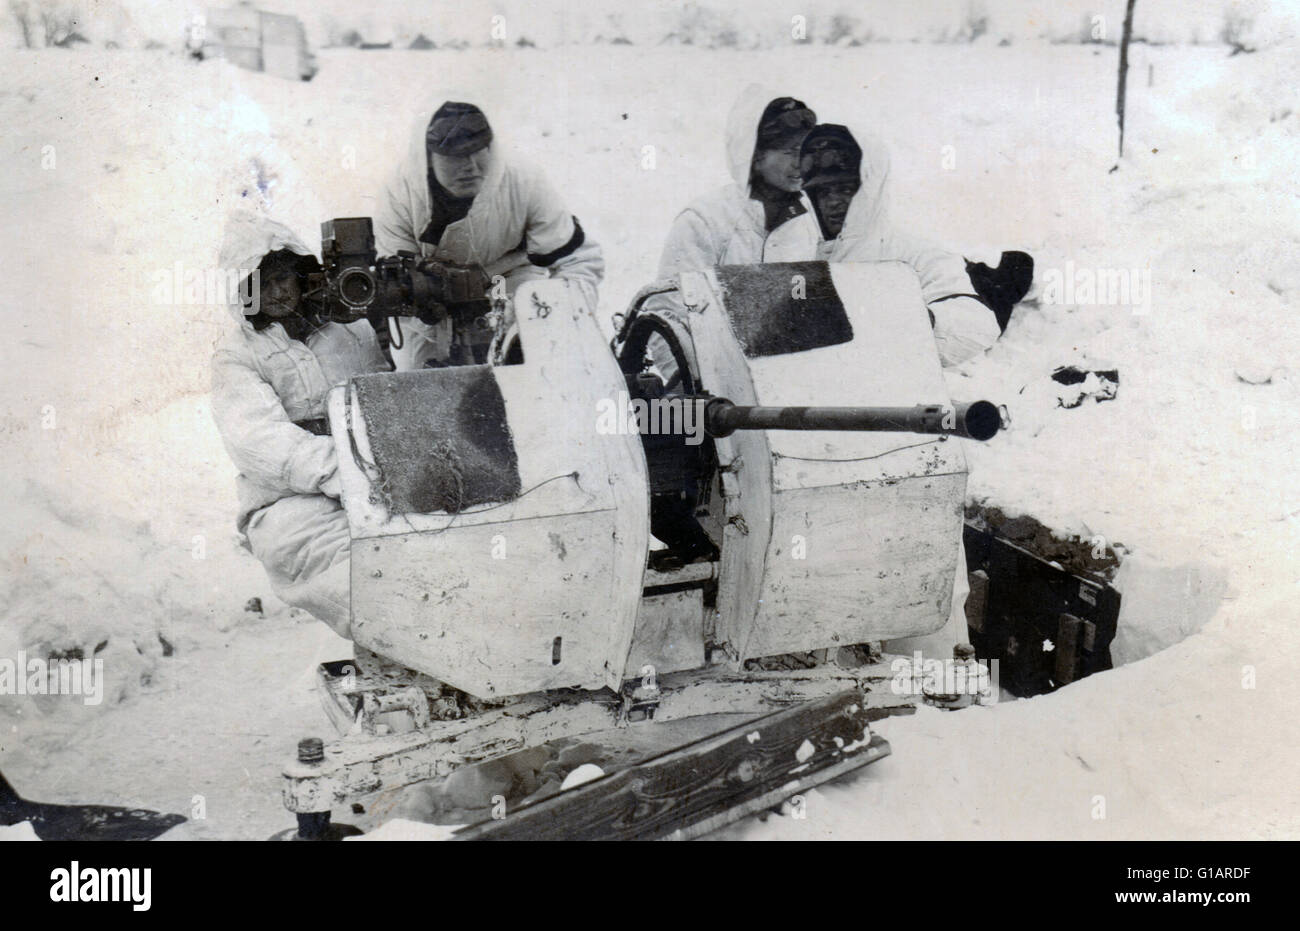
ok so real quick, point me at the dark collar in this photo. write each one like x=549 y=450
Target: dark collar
x=778 y=205
x=446 y=209
x=298 y=326
x=821 y=223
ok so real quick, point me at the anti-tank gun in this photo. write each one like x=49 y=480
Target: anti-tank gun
x=538 y=561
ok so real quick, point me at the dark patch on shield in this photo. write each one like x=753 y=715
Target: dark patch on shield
x=439 y=438
x=783 y=307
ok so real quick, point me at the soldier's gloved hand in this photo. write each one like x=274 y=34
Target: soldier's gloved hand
x=457 y=284
x=431 y=314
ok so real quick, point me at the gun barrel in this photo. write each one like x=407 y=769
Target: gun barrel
x=977 y=420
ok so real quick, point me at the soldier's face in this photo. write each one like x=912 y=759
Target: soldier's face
x=832 y=202
x=279 y=293
x=780 y=167
x=462 y=175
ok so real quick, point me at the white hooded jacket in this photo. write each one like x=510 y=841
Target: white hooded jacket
x=263 y=382
x=727 y=226
x=517 y=227
x=963 y=325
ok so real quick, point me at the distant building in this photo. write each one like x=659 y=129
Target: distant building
x=253 y=39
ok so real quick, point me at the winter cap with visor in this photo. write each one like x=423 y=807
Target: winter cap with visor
x=830 y=156
x=785 y=121
x=457 y=130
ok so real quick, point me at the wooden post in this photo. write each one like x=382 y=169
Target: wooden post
x=1123 y=71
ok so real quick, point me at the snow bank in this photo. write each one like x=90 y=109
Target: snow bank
x=23 y=830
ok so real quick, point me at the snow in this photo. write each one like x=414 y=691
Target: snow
x=119 y=498
x=23 y=830
x=402 y=829
x=584 y=773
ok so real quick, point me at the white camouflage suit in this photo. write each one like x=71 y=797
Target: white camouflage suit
x=517 y=227
x=262 y=384
x=727 y=226
x=963 y=325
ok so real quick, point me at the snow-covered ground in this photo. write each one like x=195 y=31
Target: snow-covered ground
x=118 y=502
